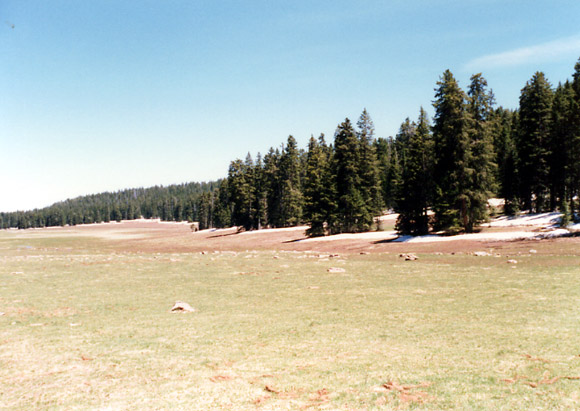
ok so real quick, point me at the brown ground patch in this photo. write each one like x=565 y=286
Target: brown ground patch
x=153 y=236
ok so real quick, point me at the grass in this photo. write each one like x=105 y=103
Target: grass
x=85 y=327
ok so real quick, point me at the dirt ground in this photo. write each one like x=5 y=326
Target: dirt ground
x=155 y=236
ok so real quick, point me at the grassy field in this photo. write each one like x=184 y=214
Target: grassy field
x=85 y=325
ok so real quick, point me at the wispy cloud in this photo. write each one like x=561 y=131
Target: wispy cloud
x=551 y=51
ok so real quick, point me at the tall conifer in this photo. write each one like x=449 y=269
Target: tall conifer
x=415 y=196
x=451 y=152
x=369 y=166
x=533 y=145
x=480 y=161
x=352 y=215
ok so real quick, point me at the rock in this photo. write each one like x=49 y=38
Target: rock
x=481 y=254
x=336 y=270
x=409 y=257
x=183 y=307
x=364 y=253
x=532 y=251
x=512 y=261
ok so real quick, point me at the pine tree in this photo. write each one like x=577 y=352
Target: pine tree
x=389 y=170
x=242 y=193
x=480 y=160
x=506 y=159
x=222 y=205
x=319 y=189
x=261 y=193
x=415 y=194
x=352 y=214
x=574 y=167
x=533 y=141
x=451 y=152
x=273 y=187
x=562 y=136
x=291 y=201
x=369 y=166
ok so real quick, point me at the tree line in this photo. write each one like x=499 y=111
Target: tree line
x=191 y=201
x=437 y=174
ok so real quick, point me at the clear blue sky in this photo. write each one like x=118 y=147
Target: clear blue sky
x=104 y=95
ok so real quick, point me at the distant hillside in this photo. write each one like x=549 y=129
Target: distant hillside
x=189 y=201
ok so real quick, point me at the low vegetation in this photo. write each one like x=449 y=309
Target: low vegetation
x=87 y=324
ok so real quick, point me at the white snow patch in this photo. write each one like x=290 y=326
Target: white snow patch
x=371 y=235
x=496 y=202
x=277 y=230
x=388 y=217
x=527 y=220
x=507 y=236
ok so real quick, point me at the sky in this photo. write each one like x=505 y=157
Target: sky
x=106 y=95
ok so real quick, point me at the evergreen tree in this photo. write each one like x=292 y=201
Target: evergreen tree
x=352 y=213
x=415 y=189
x=261 y=193
x=574 y=167
x=480 y=159
x=291 y=201
x=390 y=171
x=506 y=159
x=451 y=152
x=319 y=191
x=562 y=136
x=369 y=166
x=241 y=193
x=533 y=145
x=273 y=187
x=222 y=206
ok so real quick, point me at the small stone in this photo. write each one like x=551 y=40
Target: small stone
x=532 y=251
x=481 y=254
x=336 y=270
x=183 y=307
x=512 y=261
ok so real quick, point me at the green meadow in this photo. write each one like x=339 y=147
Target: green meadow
x=84 y=325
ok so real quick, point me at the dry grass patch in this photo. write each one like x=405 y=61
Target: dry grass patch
x=90 y=328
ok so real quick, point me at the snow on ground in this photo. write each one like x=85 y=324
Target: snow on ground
x=543 y=220
x=276 y=230
x=537 y=220
x=371 y=235
x=392 y=236
x=507 y=236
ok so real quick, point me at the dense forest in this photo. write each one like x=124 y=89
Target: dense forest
x=192 y=202
x=437 y=174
